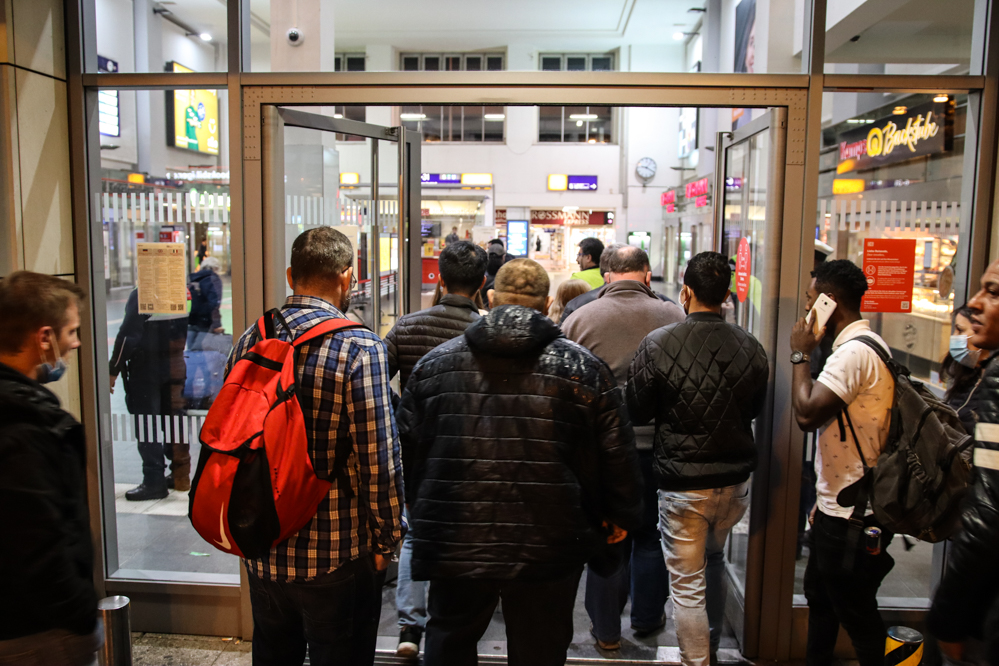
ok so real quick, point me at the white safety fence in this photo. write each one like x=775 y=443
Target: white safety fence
x=876 y=217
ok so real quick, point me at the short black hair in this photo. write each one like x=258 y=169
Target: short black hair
x=320 y=255
x=709 y=276
x=843 y=279
x=462 y=266
x=593 y=247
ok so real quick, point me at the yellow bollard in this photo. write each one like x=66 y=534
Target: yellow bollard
x=903 y=647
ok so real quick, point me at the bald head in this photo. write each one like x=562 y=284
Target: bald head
x=629 y=263
x=521 y=282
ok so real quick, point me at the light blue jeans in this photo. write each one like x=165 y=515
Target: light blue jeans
x=410 y=595
x=694 y=525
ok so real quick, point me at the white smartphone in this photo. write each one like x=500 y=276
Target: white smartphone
x=822 y=309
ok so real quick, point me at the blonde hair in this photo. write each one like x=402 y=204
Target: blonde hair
x=567 y=291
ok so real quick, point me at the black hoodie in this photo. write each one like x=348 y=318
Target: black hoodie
x=518 y=447
x=46 y=556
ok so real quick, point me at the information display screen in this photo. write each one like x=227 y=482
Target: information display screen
x=516 y=237
x=192 y=117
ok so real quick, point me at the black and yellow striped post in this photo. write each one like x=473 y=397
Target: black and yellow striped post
x=903 y=647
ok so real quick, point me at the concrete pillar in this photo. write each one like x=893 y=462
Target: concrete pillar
x=314 y=21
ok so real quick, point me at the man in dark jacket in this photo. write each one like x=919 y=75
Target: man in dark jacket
x=627 y=298
x=966 y=605
x=497 y=256
x=519 y=460
x=703 y=381
x=462 y=269
x=49 y=612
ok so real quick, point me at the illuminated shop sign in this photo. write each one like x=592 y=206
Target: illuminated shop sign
x=560 y=182
x=108 y=111
x=697 y=188
x=668 y=197
x=919 y=131
x=556 y=217
x=848 y=185
x=701 y=201
x=732 y=183
x=440 y=178
x=671 y=208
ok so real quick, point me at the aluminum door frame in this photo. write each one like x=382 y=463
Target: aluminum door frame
x=767 y=480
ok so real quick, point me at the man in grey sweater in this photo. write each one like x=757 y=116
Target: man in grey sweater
x=612 y=327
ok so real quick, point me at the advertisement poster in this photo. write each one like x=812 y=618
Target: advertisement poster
x=162 y=278
x=192 y=118
x=745 y=51
x=889 y=264
x=743 y=269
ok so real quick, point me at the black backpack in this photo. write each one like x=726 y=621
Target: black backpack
x=921 y=476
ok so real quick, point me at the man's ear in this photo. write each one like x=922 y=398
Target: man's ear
x=291 y=285
x=548 y=305
x=606 y=277
x=648 y=279
x=489 y=295
x=483 y=283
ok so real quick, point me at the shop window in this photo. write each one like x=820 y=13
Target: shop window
x=354 y=112
x=456 y=123
x=349 y=62
x=575 y=124
x=451 y=62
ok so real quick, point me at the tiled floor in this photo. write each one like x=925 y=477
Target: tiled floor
x=177 y=650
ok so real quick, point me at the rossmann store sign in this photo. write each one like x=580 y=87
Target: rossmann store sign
x=919 y=131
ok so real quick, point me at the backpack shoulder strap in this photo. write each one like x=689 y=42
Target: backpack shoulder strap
x=266 y=328
x=893 y=367
x=325 y=327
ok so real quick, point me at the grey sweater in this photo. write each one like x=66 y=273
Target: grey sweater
x=614 y=325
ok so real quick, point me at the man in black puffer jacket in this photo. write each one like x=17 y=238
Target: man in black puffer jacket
x=966 y=604
x=462 y=270
x=703 y=381
x=518 y=453
x=49 y=609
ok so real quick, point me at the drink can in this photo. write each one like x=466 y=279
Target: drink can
x=872 y=540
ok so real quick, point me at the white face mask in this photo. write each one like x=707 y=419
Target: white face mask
x=685 y=303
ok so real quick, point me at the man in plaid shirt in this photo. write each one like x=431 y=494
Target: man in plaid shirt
x=322 y=586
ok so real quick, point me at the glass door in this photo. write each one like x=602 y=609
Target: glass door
x=749 y=198
x=364 y=180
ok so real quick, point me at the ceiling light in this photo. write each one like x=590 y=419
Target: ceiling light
x=412 y=116
x=900 y=110
x=338 y=115
x=495 y=116
x=583 y=116
x=941 y=98
x=579 y=123
x=205 y=37
x=678 y=36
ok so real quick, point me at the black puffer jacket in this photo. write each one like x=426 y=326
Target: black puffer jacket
x=417 y=333
x=703 y=381
x=46 y=554
x=969 y=590
x=518 y=447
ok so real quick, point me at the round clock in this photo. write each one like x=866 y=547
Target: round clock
x=646 y=168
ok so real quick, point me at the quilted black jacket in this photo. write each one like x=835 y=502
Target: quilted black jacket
x=703 y=381
x=967 y=600
x=417 y=333
x=516 y=447
x=46 y=554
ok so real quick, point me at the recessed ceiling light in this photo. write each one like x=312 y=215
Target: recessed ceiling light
x=583 y=116
x=941 y=98
x=412 y=116
x=338 y=115
x=205 y=36
x=495 y=116
x=678 y=36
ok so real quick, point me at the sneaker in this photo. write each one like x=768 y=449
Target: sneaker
x=409 y=643
x=144 y=492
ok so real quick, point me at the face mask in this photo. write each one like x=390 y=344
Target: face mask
x=959 y=351
x=46 y=372
x=685 y=304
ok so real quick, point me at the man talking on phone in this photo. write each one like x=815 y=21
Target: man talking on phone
x=854 y=383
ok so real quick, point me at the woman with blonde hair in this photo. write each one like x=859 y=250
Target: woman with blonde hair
x=567 y=291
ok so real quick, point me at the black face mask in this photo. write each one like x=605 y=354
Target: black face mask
x=495 y=261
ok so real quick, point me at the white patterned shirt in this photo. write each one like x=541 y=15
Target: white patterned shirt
x=861 y=380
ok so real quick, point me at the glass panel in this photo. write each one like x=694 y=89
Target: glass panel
x=472 y=123
x=574 y=125
x=494 y=63
x=338 y=64
x=431 y=63
x=355 y=63
x=353 y=112
x=598 y=129
x=411 y=63
x=551 y=63
x=910 y=37
x=575 y=63
x=473 y=63
x=167 y=356
x=452 y=63
x=601 y=63
x=495 y=123
x=550 y=123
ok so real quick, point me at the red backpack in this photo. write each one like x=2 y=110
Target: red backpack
x=255 y=485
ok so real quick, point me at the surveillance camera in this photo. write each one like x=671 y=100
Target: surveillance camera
x=295 y=37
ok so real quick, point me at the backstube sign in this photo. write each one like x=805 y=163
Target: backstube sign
x=920 y=131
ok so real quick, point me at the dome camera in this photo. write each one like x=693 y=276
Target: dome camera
x=295 y=36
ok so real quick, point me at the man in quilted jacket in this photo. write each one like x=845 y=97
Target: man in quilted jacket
x=965 y=608
x=519 y=459
x=462 y=270
x=703 y=381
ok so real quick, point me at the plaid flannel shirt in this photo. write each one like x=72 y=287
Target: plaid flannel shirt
x=344 y=393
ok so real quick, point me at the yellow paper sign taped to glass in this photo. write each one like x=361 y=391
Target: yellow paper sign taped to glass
x=162 y=278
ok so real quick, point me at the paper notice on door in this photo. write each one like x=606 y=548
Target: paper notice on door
x=162 y=278
x=889 y=266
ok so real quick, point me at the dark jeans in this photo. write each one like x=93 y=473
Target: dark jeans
x=538 y=617
x=335 y=614
x=837 y=596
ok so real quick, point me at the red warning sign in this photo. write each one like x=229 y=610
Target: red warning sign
x=743 y=268
x=889 y=266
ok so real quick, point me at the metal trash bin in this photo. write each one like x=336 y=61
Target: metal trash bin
x=117 y=648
